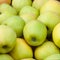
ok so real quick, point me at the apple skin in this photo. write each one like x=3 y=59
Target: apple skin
x=29 y=13
x=21 y=50
x=28 y=59
x=7 y=39
x=7 y=9
x=39 y=3
x=46 y=49
x=5 y=57
x=16 y=23
x=35 y=33
x=56 y=35
x=50 y=19
x=52 y=6
x=53 y=57
x=18 y=4
x=4 y=17
x=5 y=1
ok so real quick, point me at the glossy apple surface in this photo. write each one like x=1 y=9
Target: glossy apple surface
x=56 y=35
x=7 y=39
x=35 y=33
x=22 y=50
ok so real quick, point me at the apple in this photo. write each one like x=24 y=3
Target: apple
x=16 y=23
x=6 y=8
x=52 y=5
x=21 y=50
x=29 y=13
x=56 y=35
x=35 y=33
x=39 y=3
x=53 y=57
x=50 y=19
x=7 y=39
x=6 y=11
x=5 y=1
x=4 y=17
x=46 y=49
x=28 y=59
x=18 y=4
x=5 y=57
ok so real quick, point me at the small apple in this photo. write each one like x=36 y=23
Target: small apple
x=6 y=8
x=39 y=3
x=21 y=50
x=56 y=35
x=29 y=13
x=16 y=23
x=52 y=5
x=7 y=39
x=5 y=57
x=18 y=4
x=5 y=1
x=46 y=49
x=53 y=57
x=50 y=19
x=28 y=59
x=35 y=33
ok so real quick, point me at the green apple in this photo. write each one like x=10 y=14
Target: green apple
x=53 y=57
x=39 y=3
x=5 y=1
x=21 y=50
x=4 y=17
x=29 y=13
x=35 y=33
x=52 y=5
x=28 y=59
x=56 y=35
x=7 y=39
x=16 y=23
x=18 y=4
x=5 y=57
x=46 y=49
x=50 y=19
x=6 y=8
x=6 y=11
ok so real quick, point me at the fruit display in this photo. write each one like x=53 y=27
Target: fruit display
x=29 y=30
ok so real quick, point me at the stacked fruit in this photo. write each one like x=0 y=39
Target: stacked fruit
x=29 y=30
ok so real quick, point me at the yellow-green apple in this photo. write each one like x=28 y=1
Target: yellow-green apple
x=50 y=19
x=16 y=23
x=7 y=39
x=28 y=59
x=6 y=11
x=56 y=35
x=53 y=57
x=29 y=13
x=35 y=33
x=21 y=50
x=6 y=8
x=4 y=17
x=18 y=4
x=46 y=49
x=5 y=1
x=52 y=5
x=5 y=57
x=39 y=3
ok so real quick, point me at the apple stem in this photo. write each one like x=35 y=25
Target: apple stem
x=0 y=12
x=33 y=39
x=5 y=46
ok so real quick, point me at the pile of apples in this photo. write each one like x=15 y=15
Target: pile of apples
x=29 y=30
